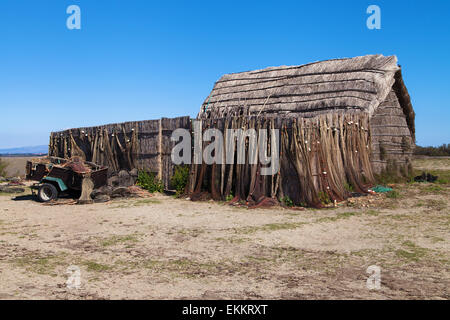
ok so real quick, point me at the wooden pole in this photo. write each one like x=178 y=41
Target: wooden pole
x=160 y=150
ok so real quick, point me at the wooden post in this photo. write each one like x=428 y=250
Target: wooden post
x=160 y=151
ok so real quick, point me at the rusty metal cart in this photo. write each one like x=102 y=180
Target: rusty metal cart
x=58 y=175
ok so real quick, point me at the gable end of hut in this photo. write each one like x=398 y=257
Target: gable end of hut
x=393 y=131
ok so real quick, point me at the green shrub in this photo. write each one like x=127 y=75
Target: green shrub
x=348 y=187
x=180 y=178
x=3 y=166
x=149 y=182
x=324 y=198
x=287 y=201
x=229 y=197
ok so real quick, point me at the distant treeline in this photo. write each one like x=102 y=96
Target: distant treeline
x=443 y=150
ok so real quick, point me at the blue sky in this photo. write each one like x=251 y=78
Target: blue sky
x=136 y=60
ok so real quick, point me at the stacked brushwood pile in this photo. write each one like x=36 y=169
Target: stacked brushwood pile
x=321 y=160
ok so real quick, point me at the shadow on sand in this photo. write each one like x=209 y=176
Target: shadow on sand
x=25 y=197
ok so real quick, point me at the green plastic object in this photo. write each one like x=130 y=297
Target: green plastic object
x=61 y=184
x=381 y=189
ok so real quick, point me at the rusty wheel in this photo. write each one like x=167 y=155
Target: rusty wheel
x=47 y=192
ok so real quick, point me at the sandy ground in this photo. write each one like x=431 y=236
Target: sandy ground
x=165 y=248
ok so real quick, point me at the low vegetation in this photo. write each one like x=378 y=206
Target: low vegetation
x=95 y=266
x=268 y=227
x=411 y=252
x=40 y=263
x=115 y=240
x=180 y=178
x=132 y=203
x=149 y=182
x=394 y=194
x=324 y=198
x=287 y=201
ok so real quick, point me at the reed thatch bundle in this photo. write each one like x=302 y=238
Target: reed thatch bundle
x=320 y=158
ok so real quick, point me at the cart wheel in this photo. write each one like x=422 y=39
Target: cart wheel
x=47 y=192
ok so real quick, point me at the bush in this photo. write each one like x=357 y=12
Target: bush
x=348 y=187
x=180 y=178
x=324 y=198
x=287 y=201
x=149 y=182
x=229 y=197
x=3 y=166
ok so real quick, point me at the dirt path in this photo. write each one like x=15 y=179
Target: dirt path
x=162 y=248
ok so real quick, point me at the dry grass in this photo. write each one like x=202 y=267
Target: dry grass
x=16 y=165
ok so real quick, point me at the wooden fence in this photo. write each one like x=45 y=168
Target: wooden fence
x=145 y=145
x=321 y=158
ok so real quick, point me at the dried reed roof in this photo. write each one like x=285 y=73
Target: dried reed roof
x=350 y=84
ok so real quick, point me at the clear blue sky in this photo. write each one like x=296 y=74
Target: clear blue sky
x=136 y=60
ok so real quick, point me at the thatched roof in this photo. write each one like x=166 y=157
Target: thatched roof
x=351 y=84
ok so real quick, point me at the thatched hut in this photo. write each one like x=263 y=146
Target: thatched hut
x=370 y=84
x=341 y=122
x=338 y=123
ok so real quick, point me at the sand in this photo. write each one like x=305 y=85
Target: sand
x=167 y=248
